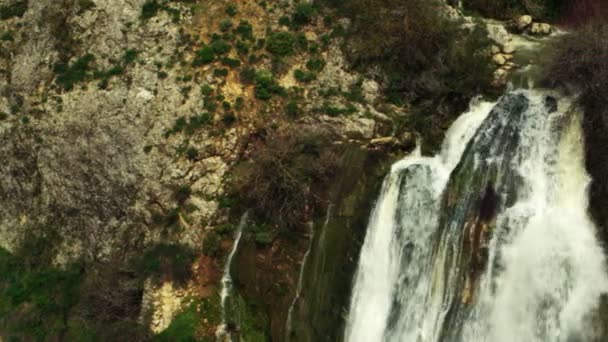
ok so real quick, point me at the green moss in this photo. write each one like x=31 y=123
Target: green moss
x=249 y=317
x=185 y=326
x=36 y=297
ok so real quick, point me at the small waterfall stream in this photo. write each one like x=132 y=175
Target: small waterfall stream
x=222 y=333
x=288 y=322
x=489 y=240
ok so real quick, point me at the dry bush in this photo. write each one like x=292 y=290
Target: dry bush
x=284 y=178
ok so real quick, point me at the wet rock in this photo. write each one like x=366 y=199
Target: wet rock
x=508 y=49
x=495 y=49
x=551 y=104
x=523 y=22
x=499 y=59
x=540 y=29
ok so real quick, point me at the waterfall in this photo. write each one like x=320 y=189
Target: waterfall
x=222 y=333
x=487 y=241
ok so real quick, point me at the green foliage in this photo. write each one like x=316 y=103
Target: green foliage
x=315 y=64
x=211 y=244
x=7 y=36
x=165 y=259
x=245 y=30
x=68 y=75
x=266 y=86
x=129 y=56
x=337 y=111
x=35 y=297
x=150 y=9
x=203 y=56
x=225 y=25
x=231 y=10
x=285 y=21
x=16 y=9
x=191 y=125
x=220 y=46
x=3 y=116
x=292 y=109
x=230 y=62
x=249 y=316
x=303 y=14
x=220 y=72
x=280 y=44
x=304 y=76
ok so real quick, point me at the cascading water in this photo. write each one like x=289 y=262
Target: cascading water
x=288 y=322
x=487 y=241
x=222 y=333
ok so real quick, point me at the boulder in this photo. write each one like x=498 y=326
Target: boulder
x=523 y=22
x=508 y=49
x=540 y=29
x=499 y=59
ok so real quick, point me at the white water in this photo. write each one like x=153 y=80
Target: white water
x=544 y=271
x=221 y=332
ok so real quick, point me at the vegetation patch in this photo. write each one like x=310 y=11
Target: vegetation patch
x=285 y=177
x=281 y=44
x=166 y=260
x=16 y=9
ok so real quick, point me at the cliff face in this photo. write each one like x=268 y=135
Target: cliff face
x=119 y=136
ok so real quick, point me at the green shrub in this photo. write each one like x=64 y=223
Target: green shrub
x=192 y=153
x=230 y=62
x=245 y=30
x=150 y=9
x=315 y=64
x=16 y=9
x=225 y=25
x=129 y=56
x=231 y=10
x=220 y=72
x=292 y=109
x=285 y=21
x=3 y=116
x=303 y=14
x=280 y=44
x=266 y=86
x=204 y=55
x=303 y=75
x=7 y=36
x=206 y=90
x=68 y=75
x=166 y=259
x=229 y=118
x=211 y=244
x=220 y=46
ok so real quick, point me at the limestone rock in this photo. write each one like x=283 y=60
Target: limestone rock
x=540 y=29
x=523 y=22
x=499 y=59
